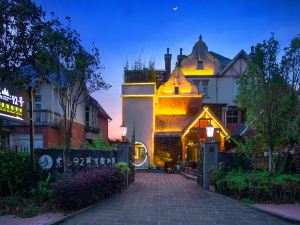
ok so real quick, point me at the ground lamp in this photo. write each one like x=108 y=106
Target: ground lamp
x=123 y=132
x=210 y=131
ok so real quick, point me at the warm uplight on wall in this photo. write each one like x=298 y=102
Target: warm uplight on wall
x=205 y=71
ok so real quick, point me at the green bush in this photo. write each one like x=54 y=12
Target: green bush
x=42 y=192
x=122 y=167
x=14 y=172
x=258 y=186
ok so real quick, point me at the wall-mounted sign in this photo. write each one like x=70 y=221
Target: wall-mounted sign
x=12 y=103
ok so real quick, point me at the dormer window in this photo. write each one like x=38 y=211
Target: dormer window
x=200 y=65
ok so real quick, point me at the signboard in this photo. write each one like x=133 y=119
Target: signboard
x=52 y=159
x=12 y=103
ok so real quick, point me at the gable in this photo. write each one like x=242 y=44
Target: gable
x=237 y=67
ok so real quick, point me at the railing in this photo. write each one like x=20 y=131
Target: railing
x=46 y=117
x=139 y=76
x=92 y=129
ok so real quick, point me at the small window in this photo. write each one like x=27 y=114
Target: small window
x=200 y=65
x=232 y=115
x=236 y=90
x=176 y=90
x=205 y=88
x=37 y=102
x=205 y=91
x=87 y=116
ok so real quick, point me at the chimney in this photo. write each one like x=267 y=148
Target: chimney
x=252 y=53
x=168 y=58
x=180 y=57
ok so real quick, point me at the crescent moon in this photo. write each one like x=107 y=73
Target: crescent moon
x=175 y=8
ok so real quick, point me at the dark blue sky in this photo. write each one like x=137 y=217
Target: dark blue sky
x=123 y=30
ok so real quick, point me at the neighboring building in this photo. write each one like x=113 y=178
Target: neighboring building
x=170 y=111
x=90 y=122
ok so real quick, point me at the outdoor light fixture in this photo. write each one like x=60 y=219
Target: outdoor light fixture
x=123 y=131
x=210 y=131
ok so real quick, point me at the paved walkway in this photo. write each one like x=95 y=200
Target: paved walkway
x=170 y=199
x=41 y=219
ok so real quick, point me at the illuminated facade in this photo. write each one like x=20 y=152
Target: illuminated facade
x=170 y=117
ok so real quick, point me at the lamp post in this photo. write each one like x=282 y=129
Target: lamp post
x=210 y=157
x=210 y=131
x=123 y=132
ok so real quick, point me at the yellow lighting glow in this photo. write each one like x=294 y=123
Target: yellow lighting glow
x=137 y=96
x=168 y=111
x=215 y=123
x=190 y=72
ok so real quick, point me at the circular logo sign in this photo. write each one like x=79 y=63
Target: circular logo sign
x=45 y=162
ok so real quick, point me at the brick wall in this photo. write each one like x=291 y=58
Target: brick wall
x=78 y=136
x=103 y=126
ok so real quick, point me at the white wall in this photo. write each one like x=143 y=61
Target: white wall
x=50 y=101
x=138 y=112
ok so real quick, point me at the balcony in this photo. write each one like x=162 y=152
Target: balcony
x=92 y=129
x=139 y=76
x=46 y=117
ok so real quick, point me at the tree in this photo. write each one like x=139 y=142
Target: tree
x=22 y=24
x=73 y=71
x=264 y=93
x=291 y=71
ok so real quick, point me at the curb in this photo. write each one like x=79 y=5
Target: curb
x=278 y=215
x=61 y=220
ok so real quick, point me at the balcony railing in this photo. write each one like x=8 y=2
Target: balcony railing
x=46 y=117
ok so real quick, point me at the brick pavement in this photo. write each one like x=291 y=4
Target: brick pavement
x=41 y=219
x=165 y=199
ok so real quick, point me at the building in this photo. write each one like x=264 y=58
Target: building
x=90 y=123
x=170 y=117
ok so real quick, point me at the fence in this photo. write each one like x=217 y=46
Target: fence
x=288 y=162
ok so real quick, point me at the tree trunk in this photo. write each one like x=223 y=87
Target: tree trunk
x=270 y=161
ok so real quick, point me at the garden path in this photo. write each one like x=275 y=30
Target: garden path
x=165 y=199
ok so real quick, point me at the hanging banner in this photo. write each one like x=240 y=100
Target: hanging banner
x=13 y=103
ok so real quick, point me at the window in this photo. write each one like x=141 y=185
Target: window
x=205 y=88
x=236 y=89
x=87 y=116
x=37 y=102
x=232 y=115
x=200 y=65
x=176 y=90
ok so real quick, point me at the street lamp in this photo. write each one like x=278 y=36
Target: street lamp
x=123 y=131
x=210 y=131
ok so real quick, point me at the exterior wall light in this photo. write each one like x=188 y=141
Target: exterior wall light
x=123 y=132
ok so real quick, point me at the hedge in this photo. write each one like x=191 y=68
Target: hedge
x=86 y=187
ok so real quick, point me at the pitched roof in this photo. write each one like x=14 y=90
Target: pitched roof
x=223 y=60
x=172 y=123
x=101 y=111
x=242 y=53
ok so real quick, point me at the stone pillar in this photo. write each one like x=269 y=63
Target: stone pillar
x=210 y=159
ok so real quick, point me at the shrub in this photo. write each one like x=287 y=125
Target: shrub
x=14 y=172
x=86 y=187
x=42 y=192
x=122 y=167
x=259 y=186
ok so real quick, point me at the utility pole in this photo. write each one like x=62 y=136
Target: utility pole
x=31 y=127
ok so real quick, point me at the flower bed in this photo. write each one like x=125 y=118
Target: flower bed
x=86 y=187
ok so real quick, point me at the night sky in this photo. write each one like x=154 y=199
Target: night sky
x=123 y=30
